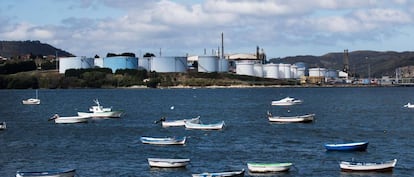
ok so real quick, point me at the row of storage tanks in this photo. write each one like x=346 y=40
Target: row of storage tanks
x=158 y=64
x=205 y=64
x=281 y=70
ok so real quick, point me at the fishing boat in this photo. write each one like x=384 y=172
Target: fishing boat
x=268 y=167
x=176 y=123
x=201 y=126
x=288 y=101
x=69 y=120
x=239 y=173
x=167 y=163
x=291 y=119
x=367 y=166
x=52 y=173
x=3 y=126
x=34 y=101
x=409 y=105
x=355 y=146
x=99 y=111
x=164 y=140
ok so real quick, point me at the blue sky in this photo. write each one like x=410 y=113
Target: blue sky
x=179 y=27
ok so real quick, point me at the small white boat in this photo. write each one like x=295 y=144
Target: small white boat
x=163 y=141
x=176 y=123
x=167 y=163
x=99 y=111
x=52 y=173
x=367 y=166
x=34 y=101
x=268 y=167
x=409 y=105
x=291 y=119
x=3 y=126
x=288 y=101
x=221 y=174
x=69 y=120
x=200 y=126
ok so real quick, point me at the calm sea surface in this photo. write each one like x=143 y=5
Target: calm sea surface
x=111 y=147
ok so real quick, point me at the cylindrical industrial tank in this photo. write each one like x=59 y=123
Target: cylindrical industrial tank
x=207 y=64
x=284 y=71
x=120 y=62
x=223 y=65
x=331 y=73
x=98 y=62
x=169 y=64
x=294 y=71
x=75 y=63
x=317 y=72
x=300 y=72
x=244 y=68
x=145 y=63
x=258 y=70
x=300 y=64
x=271 y=71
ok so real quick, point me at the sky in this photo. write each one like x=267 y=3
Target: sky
x=194 y=27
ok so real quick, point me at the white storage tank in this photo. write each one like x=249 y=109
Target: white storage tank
x=120 y=62
x=317 y=72
x=258 y=70
x=207 y=64
x=168 y=64
x=98 y=62
x=223 y=65
x=300 y=72
x=75 y=63
x=245 y=68
x=284 y=71
x=145 y=63
x=271 y=71
x=294 y=71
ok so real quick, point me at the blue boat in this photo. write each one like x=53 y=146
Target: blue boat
x=356 y=146
x=52 y=173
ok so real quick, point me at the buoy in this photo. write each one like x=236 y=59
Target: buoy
x=172 y=107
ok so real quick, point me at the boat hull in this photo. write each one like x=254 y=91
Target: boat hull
x=60 y=173
x=177 y=123
x=110 y=114
x=304 y=119
x=268 y=167
x=70 y=120
x=33 y=101
x=367 y=167
x=168 y=163
x=221 y=174
x=359 y=146
x=163 y=141
x=195 y=126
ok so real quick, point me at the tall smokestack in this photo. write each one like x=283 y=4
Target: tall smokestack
x=257 y=53
x=346 y=61
x=222 y=45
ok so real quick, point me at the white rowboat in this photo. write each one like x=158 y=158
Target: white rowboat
x=367 y=166
x=268 y=167
x=176 y=123
x=167 y=163
x=200 y=126
x=53 y=173
x=163 y=141
x=69 y=120
x=221 y=174
x=287 y=119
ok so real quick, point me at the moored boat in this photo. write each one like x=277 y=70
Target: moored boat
x=99 y=111
x=52 y=173
x=167 y=163
x=164 y=140
x=201 y=126
x=268 y=167
x=70 y=119
x=355 y=146
x=367 y=166
x=288 y=101
x=176 y=123
x=409 y=105
x=33 y=101
x=239 y=173
x=3 y=126
x=291 y=119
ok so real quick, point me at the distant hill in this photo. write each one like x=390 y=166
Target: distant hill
x=11 y=49
x=360 y=62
